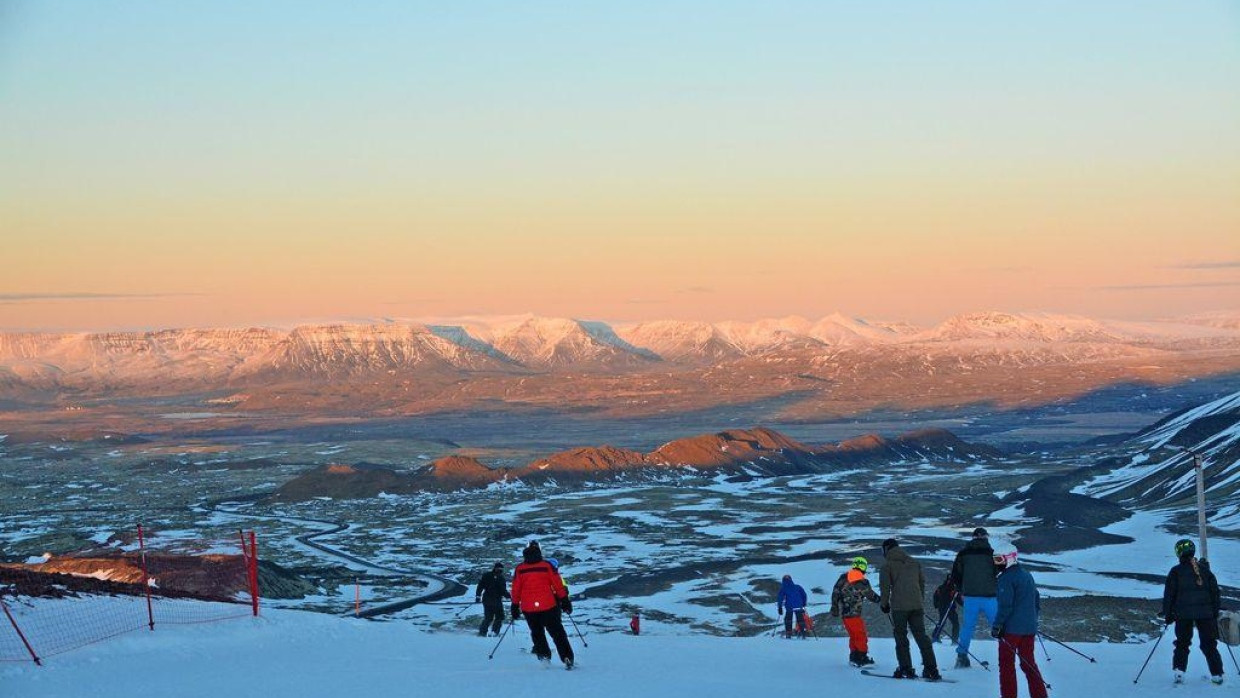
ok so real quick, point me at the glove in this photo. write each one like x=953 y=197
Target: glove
x=566 y=605
x=779 y=611
x=996 y=632
x=885 y=608
x=516 y=611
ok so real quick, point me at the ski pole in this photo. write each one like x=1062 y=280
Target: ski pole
x=501 y=638
x=1067 y=647
x=1023 y=663
x=985 y=665
x=1151 y=655
x=578 y=629
x=463 y=610
x=1048 y=654
x=1233 y=654
x=938 y=628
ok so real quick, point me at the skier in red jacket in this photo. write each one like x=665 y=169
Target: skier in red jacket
x=539 y=593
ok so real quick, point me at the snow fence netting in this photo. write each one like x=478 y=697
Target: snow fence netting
x=67 y=602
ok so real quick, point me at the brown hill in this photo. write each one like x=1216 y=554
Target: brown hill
x=583 y=463
x=763 y=449
x=456 y=472
x=759 y=451
x=932 y=444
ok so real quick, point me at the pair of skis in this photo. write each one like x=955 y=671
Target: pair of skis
x=875 y=674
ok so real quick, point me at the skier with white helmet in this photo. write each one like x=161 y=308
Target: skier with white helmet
x=1016 y=624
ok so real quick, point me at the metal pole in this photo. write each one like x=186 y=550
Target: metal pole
x=1201 y=504
x=938 y=627
x=583 y=637
x=1065 y=646
x=146 y=580
x=501 y=638
x=1151 y=654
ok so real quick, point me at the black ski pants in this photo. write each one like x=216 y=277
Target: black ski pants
x=492 y=615
x=902 y=622
x=544 y=622
x=1207 y=638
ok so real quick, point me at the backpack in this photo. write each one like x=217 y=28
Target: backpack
x=1229 y=628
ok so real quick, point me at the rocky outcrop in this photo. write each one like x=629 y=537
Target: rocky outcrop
x=210 y=577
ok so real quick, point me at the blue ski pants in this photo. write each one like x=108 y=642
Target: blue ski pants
x=975 y=606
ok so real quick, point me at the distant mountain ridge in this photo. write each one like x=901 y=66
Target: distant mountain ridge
x=835 y=363
x=757 y=452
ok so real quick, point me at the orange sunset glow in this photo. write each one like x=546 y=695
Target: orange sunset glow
x=167 y=168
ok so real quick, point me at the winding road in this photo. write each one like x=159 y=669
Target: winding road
x=436 y=587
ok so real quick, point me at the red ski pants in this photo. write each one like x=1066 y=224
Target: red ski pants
x=1009 y=646
x=858 y=641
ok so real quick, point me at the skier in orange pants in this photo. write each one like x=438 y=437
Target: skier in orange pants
x=849 y=593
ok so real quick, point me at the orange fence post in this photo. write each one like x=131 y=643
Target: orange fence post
x=35 y=657
x=254 y=571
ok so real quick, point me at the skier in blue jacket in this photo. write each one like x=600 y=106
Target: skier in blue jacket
x=792 y=596
x=1016 y=624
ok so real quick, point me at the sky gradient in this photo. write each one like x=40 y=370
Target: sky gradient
x=223 y=164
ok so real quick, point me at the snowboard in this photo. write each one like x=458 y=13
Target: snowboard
x=876 y=675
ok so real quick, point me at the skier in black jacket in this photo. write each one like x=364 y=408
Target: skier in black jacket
x=1191 y=598
x=973 y=574
x=492 y=590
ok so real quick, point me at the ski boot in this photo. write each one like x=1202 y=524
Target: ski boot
x=905 y=673
x=568 y=664
x=962 y=661
x=931 y=675
x=1217 y=679
x=1177 y=676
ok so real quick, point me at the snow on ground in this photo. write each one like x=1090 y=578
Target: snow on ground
x=1150 y=552
x=293 y=654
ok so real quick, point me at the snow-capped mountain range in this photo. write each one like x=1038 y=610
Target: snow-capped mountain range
x=447 y=351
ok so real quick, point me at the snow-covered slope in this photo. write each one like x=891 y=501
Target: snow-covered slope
x=1034 y=327
x=290 y=654
x=1160 y=470
x=841 y=330
x=562 y=342
x=681 y=341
